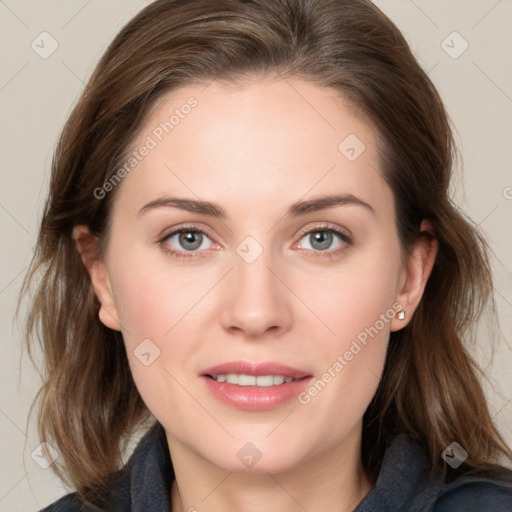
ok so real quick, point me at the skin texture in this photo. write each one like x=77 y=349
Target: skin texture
x=255 y=149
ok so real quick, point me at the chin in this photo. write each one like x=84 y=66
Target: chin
x=259 y=456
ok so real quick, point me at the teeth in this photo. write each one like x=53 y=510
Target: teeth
x=251 y=380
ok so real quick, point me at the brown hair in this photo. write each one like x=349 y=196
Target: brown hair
x=429 y=390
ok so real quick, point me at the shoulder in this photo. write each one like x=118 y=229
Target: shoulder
x=114 y=495
x=68 y=503
x=405 y=484
x=486 y=492
x=73 y=503
x=142 y=484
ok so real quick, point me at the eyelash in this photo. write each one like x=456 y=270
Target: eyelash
x=346 y=239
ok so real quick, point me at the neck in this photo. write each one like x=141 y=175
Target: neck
x=334 y=481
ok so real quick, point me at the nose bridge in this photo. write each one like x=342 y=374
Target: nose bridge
x=257 y=300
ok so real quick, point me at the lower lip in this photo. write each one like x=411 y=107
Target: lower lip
x=256 y=398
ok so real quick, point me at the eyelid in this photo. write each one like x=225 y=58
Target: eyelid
x=166 y=233
x=325 y=226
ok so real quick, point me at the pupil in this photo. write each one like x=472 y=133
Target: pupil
x=188 y=237
x=324 y=238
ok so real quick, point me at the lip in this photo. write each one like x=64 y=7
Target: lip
x=256 y=369
x=255 y=398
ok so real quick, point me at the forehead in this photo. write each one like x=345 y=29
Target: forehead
x=263 y=142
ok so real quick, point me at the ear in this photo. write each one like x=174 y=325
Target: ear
x=86 y=244
x=415 y=274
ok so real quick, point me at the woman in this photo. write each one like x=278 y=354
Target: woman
x=305 y=352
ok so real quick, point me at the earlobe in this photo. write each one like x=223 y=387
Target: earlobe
x=417 y=271
x=86 y=244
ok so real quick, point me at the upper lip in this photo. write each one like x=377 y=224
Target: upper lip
x=256 y=369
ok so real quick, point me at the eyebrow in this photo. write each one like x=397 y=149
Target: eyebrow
x=295 y=210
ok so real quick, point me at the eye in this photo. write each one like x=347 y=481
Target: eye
x=187 y=239
x=320 y=240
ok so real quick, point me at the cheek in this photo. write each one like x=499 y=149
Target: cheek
x=153 y=297
x=356 y=303
x=157 y=304
x=357 y=295
x=143 y=308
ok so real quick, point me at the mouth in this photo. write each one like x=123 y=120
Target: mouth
x=263 y=381
x=255 y=387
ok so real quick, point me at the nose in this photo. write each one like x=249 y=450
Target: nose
x=258 y=302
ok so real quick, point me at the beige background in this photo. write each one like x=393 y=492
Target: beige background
x=36 y=96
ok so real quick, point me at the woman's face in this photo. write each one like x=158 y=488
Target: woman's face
x=266 y=283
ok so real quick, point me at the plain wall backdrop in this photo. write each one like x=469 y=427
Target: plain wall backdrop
x=48 y=50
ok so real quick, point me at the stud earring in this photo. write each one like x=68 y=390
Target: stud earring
x=401 y=314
